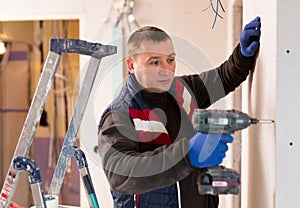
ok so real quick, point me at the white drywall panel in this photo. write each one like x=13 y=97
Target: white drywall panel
x=288 y=102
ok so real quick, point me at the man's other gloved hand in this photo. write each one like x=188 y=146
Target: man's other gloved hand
x=249 y=39
x=208 y=149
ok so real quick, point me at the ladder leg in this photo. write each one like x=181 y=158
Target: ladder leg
x=74 y=125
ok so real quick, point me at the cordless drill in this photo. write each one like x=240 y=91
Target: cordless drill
x=218 y=179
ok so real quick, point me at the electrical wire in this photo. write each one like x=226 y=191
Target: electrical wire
x=216 y=11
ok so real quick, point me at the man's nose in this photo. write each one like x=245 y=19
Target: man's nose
x=165 y=67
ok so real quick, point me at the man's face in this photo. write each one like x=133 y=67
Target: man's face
x=154 y=65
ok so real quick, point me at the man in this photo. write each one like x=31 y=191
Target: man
x=150 y=152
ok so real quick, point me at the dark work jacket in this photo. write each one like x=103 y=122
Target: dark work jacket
x=148 y=169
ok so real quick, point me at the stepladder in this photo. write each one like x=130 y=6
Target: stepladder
x=96 y=51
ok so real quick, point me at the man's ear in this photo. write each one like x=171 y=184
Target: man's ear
x=130 y=64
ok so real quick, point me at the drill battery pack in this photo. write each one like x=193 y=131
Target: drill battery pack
x=218 y=180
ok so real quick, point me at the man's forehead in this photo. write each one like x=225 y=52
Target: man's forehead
x=153 y=47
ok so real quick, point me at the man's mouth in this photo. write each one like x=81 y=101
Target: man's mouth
x=166 y=81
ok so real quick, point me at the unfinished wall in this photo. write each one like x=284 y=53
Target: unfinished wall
x=259 y=100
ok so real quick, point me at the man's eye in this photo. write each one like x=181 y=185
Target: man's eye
x=154 y=63
x=171 y=60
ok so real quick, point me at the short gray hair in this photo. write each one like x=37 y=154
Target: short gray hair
x=147 y=33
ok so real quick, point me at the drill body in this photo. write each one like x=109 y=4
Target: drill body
x=219 y=179
x=221 y=121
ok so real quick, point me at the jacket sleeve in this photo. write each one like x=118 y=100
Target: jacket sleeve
x=132 y=172
x=212 y=85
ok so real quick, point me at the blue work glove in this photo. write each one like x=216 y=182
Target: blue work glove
x=208 y=149
x=249 y=39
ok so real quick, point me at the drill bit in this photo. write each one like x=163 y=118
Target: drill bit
x=265 y=121
x=255 y=121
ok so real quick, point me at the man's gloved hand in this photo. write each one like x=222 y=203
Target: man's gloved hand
x=249 y=39
x=208 y=149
